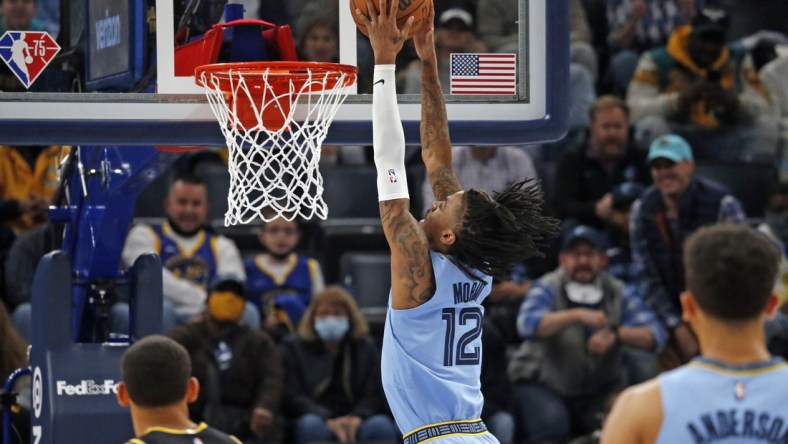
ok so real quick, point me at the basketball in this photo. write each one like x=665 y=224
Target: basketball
x=419 y=9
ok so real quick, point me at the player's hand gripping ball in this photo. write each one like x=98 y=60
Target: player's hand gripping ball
x=419 y=9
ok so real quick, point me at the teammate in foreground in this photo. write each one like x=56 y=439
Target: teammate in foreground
x=157 y=387
x=441 y=267
x=735 y=391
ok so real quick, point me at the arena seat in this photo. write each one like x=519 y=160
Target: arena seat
x=350 y=191
x=217 y=178
x=368 y=276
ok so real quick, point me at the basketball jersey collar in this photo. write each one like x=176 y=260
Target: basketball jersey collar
x=759 y=366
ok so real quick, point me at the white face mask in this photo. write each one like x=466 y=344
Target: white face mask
x=586 y=294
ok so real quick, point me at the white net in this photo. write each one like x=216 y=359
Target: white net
x=275 y=122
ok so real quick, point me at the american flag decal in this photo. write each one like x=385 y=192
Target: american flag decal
x=484 y=74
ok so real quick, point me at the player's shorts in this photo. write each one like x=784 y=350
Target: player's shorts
x=471 y=431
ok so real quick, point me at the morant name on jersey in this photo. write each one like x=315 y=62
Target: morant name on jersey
x=723 y=425
x=465 y=292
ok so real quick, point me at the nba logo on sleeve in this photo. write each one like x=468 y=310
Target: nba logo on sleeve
x=392 y=176
x=27 y=53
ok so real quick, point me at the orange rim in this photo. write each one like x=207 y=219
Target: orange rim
x=278 y=72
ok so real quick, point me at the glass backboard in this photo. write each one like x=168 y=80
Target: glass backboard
x=114 y=80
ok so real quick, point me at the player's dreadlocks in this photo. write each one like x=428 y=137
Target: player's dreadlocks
x=498 y=232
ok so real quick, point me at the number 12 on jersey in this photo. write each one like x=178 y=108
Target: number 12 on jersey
x=456 y=354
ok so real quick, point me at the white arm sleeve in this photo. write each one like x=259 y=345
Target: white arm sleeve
x=388 y=138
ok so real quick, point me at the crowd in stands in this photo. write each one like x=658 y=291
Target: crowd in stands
x=661 y=90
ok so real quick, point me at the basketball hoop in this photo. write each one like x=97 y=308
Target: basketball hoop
x=275 y=116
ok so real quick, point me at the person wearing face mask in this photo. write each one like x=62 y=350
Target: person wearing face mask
x=281 y=281
x=333 y=390
x=575 y=322
x=238 y=368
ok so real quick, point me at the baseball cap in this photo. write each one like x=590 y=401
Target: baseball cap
x=456 y=14
x=671 y=147
x=625 y=193
x=711 y=22
x=585 y=233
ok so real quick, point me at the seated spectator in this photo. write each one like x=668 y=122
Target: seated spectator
x=27 y=251
x=281 y=281
x=302 y=16
x=157 y=388
x=453 y=34
x=333 y=391
x=636 y=26
x=320 y=39
x=28 y=180
x=619 y=252
x=606 y=158
x=238 y=369
x=575 y=321
x=705 y=90
x=660 y=221
x=192 y=255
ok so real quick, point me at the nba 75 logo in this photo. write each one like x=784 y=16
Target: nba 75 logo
x=27 y=53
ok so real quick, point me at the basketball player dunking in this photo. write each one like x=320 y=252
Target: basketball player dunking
x=441 y=267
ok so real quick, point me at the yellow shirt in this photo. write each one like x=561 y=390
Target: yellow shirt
x=19 y=182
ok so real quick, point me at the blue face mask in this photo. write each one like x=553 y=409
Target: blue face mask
x=332 y=328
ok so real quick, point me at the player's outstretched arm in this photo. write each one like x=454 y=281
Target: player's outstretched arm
x=411 y=267
x=435 y=142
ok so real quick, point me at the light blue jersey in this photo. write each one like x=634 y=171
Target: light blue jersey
x=432 y=354
x=707 y=401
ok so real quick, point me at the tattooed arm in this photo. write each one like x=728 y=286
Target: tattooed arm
x=435 y=142
x=411 y=267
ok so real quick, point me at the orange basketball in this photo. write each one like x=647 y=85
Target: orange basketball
x=419 y=9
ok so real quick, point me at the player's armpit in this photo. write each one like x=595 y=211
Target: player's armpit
x=412 y=282
x=444 y=182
